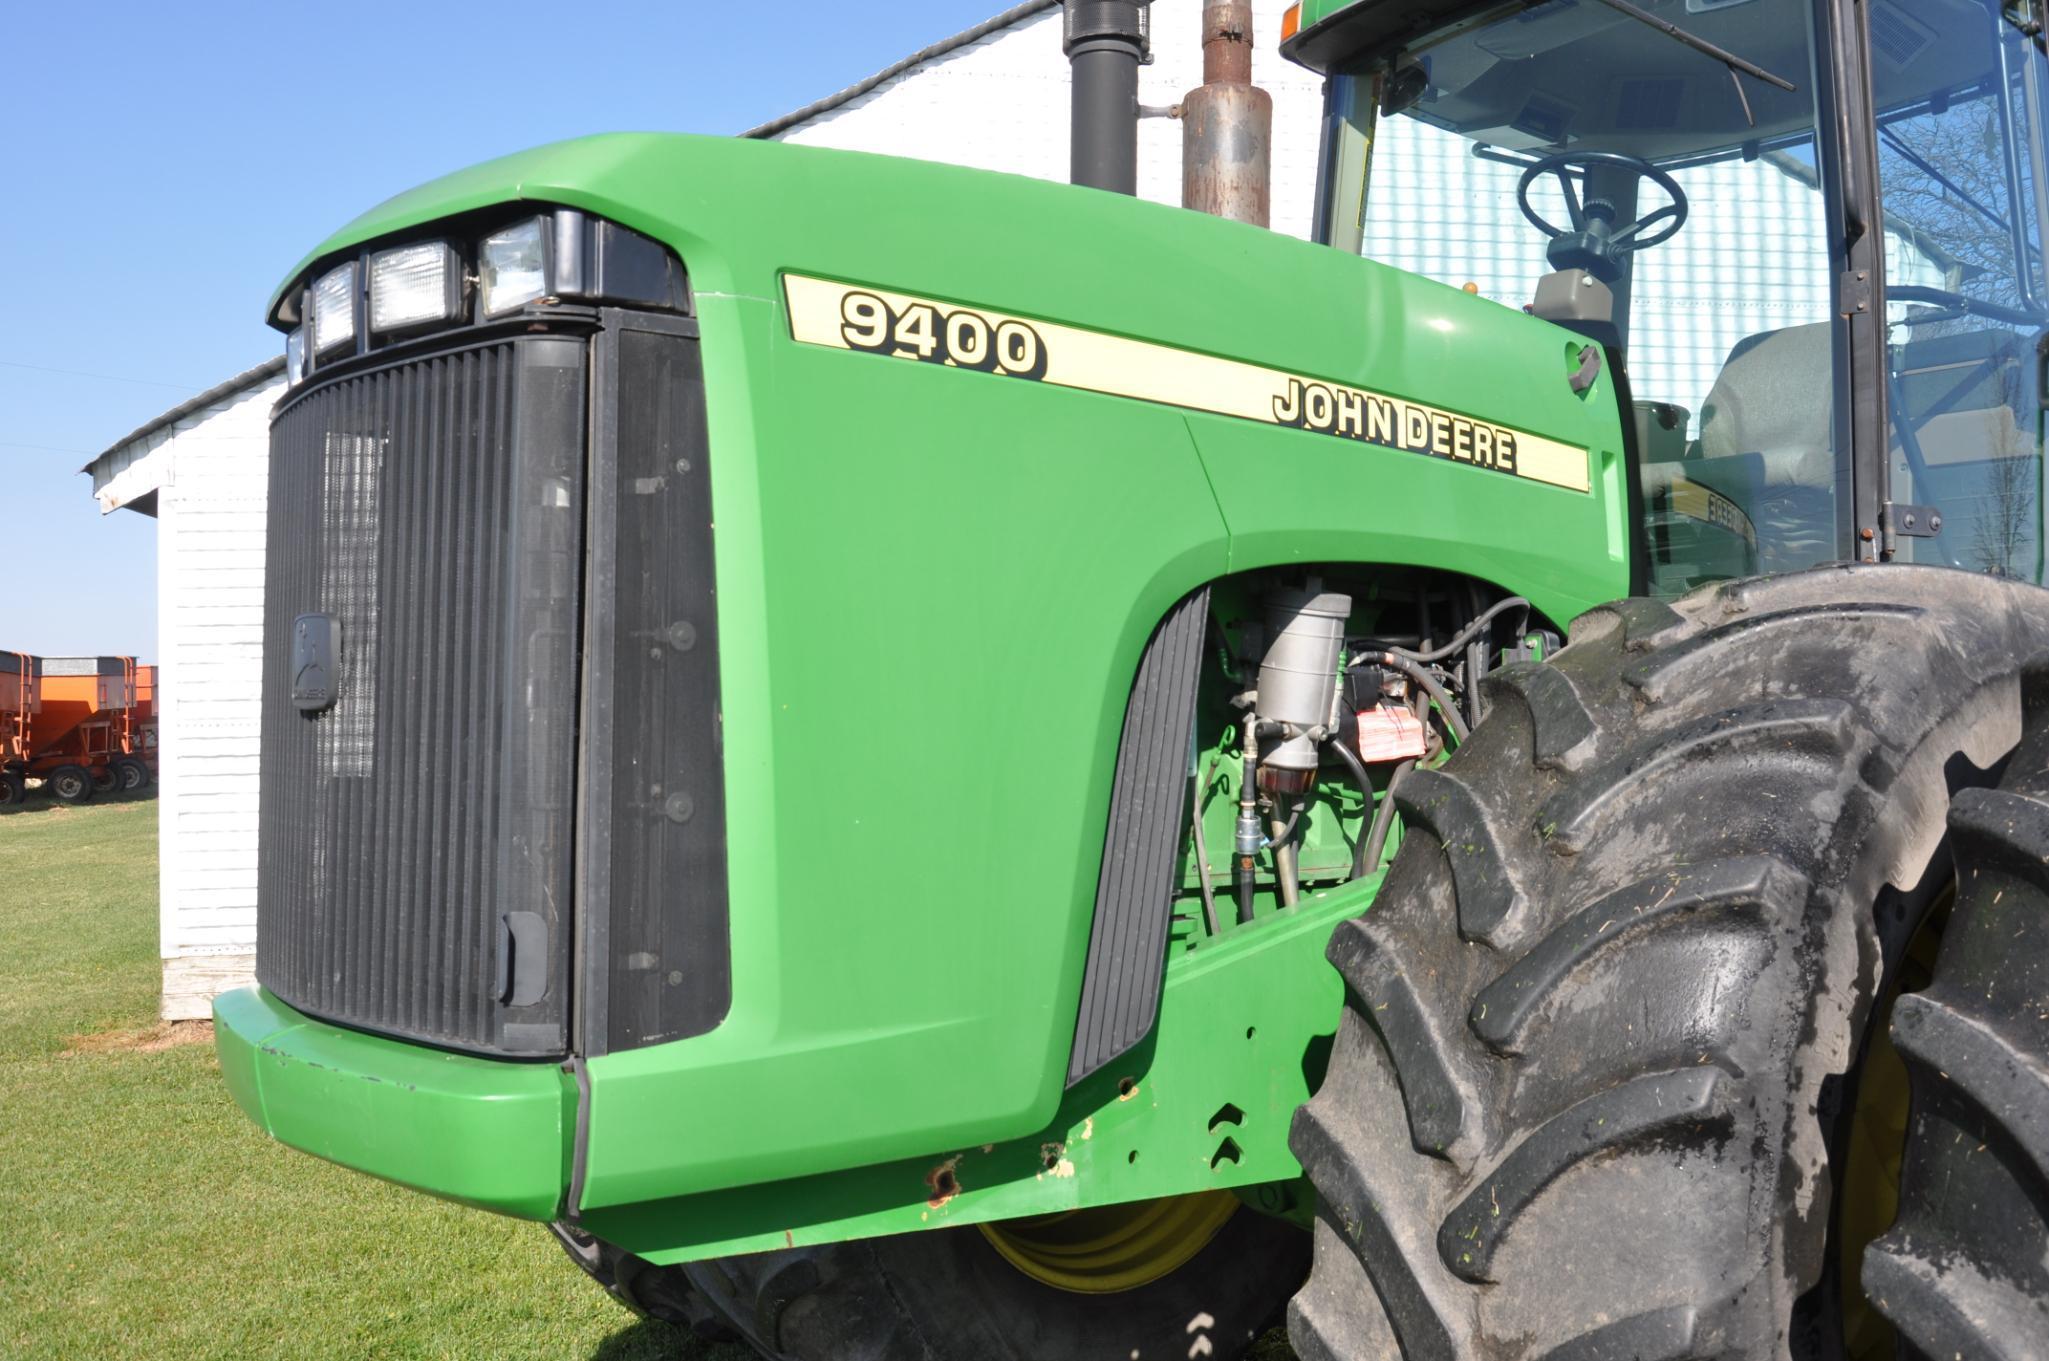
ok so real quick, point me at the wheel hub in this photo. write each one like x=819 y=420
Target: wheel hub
x=1112 y=1248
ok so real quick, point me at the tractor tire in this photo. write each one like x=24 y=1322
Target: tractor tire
x=651 y=1291
x=70 y=784
x=131 y=772
x=1586 y=1091
x=949 y=1295
x=13 y=789
x=1964 y=1271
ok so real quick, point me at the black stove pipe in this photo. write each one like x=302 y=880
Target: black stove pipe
x=1105 y=42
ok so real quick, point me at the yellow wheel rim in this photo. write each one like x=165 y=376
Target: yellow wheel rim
x=1878 y=1142
x=1112 y=1248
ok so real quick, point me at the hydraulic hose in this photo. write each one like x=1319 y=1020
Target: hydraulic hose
x=1283 y=831
x=1383 y=822
x=1209 y=897
x=1469 y=632
x=1286 y=878
x=1246 y=839
x=1409 y=667
x=1365 y=783
x=1476 y=660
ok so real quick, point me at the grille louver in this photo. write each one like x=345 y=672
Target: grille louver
x=414 y=876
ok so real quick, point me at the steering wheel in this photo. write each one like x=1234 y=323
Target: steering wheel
x=1596 y=243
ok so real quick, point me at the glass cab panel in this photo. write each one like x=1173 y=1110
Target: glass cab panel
x=1572 y=137
x=1569 y=136
x=1959 y=89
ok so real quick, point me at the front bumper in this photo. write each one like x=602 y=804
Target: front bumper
x=493 y=1134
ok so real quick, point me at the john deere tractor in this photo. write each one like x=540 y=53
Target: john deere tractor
x=931 y=765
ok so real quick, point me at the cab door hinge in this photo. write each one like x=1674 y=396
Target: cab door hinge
x=1856 y=292
x=1899 y=520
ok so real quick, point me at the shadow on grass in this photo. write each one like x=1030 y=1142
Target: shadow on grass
x=40 y=800
x=649 y=1340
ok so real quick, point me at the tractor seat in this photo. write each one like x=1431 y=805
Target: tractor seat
x=1772 y=399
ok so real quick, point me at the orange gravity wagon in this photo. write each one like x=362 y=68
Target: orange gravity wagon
x=83 y=737
x=20 y=700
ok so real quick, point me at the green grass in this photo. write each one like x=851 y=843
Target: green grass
x=147 y=1217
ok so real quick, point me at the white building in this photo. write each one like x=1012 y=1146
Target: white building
x=200 y=469
x=996 y=97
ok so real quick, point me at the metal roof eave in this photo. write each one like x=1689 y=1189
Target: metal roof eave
x=1013 y=15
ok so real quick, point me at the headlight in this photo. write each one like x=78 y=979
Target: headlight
x=414 y=284
x=514 y=267
x=334 y=308
x=448 y=280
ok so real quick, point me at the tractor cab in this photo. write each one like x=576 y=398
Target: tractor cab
x=1811 y=241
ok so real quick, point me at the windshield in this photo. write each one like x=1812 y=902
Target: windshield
x=1570 y=136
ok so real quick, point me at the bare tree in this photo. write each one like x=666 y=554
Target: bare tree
x=2003 y=532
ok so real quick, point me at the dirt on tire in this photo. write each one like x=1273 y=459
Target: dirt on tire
x=1964 y=1271
x=1602 y=1008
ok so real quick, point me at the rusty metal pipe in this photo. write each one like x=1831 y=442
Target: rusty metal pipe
x=1227 y=42
x=1227 y=123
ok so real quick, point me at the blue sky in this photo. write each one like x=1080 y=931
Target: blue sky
x=167 y=163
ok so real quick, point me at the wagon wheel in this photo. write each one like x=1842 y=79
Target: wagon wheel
x=105 y=780
x=71 y=784
x=131 y=773
x=13 y=789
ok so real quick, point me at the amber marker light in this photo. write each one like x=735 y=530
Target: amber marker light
x=1291 y=22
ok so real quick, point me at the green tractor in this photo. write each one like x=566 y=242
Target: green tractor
x=931 y=765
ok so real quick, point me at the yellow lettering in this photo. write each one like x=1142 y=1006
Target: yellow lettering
x=1415 y=429
x=1288 y=406
x=1319 y=411
x=1351 y=413
x=1380 y=420
x=915 y=330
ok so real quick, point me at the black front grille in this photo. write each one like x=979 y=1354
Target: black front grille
x=415 y=870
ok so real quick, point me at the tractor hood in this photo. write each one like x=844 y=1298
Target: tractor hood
x=972 y=542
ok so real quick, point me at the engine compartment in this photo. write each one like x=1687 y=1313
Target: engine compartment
x=1320 y=688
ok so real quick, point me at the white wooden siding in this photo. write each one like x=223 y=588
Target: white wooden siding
x=211 y=582
x=209 y=472
x=1002 y=104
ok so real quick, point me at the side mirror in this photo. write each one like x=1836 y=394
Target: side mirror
x=1404 y=89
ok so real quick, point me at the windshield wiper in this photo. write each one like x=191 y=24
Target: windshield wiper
x=1701 y=45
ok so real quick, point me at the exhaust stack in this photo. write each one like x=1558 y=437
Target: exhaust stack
x=1227 y=123
x=1106 y=41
